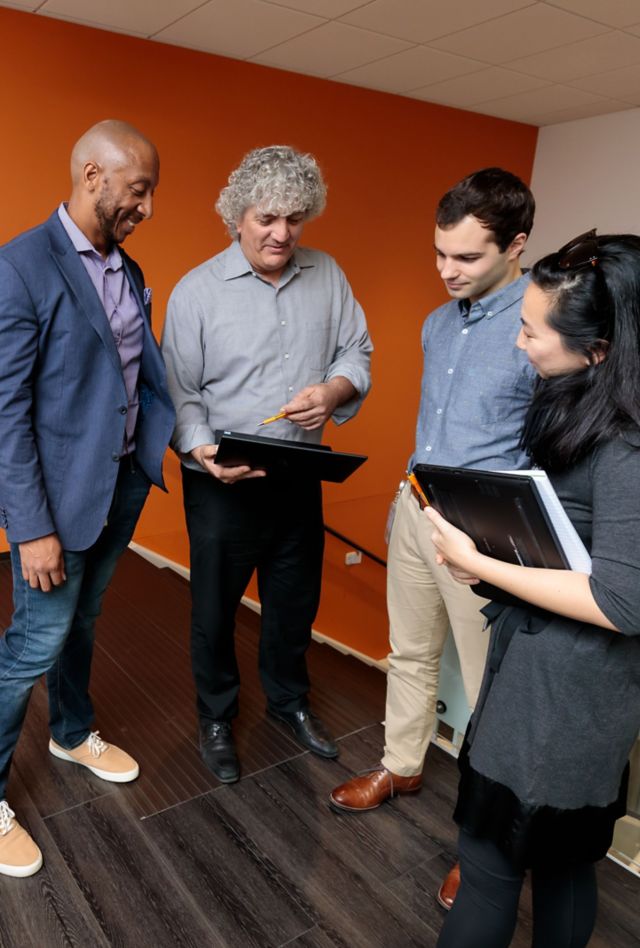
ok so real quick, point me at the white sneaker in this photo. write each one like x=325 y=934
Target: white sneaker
x=102 y=759
x=19 y=855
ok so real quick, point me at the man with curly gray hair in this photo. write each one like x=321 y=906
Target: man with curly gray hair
x=278 y=180
x=264 y=328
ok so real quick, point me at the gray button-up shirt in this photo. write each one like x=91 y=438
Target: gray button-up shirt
x=237 y=348
x=476 y=384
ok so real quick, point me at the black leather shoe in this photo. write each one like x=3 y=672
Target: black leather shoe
x=218 y=750
x=308 y=730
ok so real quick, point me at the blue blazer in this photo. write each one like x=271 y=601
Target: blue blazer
x=63 y=402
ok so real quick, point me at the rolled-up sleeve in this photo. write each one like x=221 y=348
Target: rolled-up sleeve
x=352 y=356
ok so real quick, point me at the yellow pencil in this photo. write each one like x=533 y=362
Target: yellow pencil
x=413 y=480
x=268 y=421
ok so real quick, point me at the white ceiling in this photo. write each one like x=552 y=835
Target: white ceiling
x=535 y=62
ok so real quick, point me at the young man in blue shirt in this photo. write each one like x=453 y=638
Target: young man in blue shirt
x=476 y=387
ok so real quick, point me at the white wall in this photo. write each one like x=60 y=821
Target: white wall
x=586 y=174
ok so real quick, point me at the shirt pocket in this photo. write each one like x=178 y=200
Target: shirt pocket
x=492 y=396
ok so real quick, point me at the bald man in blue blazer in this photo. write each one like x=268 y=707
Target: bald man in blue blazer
x=85 y=418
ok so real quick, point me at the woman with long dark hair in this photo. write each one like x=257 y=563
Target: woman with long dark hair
x=544 y=766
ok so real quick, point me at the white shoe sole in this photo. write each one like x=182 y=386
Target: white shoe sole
x=20 y=872
x=113 y=777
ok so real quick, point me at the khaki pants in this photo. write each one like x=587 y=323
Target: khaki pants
x=423 y=600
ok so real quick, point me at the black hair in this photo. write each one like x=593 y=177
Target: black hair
x=596 y=310
x=498 y=199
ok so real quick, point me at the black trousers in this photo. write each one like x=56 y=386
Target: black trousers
x=484 y=913
x=276 y=528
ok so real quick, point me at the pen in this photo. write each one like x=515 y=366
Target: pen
x=413 y=480
x=268 y=421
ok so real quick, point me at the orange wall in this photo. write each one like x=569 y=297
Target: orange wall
x=387 y=160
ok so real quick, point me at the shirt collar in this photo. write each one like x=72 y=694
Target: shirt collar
x=237 y=265
x=496 y=302
x=82 y=243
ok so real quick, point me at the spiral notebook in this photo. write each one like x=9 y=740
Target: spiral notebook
x=514 y=516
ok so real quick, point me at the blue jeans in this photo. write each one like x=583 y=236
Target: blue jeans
x=53 y=632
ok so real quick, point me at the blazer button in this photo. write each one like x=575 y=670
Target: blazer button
x=115 y=457
x=123 y=409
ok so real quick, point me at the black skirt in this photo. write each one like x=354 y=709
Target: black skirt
x=530 y=836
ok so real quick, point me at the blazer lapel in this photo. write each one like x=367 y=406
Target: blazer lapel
x=80 y=285
x=151 y=365
x=137 y=288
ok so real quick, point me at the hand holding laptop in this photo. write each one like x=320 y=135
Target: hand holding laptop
x=455 y=549
x=205 y=455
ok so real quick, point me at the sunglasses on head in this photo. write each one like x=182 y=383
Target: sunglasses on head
x=580 y=252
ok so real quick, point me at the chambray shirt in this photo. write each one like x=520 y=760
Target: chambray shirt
x=476 y=384
x=237 y=348
x=115 y=294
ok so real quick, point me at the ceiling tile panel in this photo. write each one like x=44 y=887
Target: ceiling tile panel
x=23 y=4
x=538 y=61
x=240 y=29
x=623 y=84
x=597 y=54
x=412 y=69
x=610 y=12
x=603 y=107
x=546 y=100
x=330 y=49
x=542 y=117
x=422 y=20
x=464 y=91
x=135 y=17
x=327 y=8
x=523 y=33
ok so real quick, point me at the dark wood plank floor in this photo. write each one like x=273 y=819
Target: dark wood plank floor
x=176 y=859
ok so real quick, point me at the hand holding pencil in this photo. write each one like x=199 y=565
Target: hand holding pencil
x=311 y=407
x=267 y=421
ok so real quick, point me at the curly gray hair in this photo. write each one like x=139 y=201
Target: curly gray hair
x=277 y=180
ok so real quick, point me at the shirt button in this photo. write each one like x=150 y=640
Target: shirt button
x=286 y=355
x=464 y=332
x=428 y=447
x=490 y=313
x=449 y=371
x=283 y=322
x=438 y=411
x=291 y=388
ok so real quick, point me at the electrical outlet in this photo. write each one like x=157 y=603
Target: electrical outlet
x=353 y=557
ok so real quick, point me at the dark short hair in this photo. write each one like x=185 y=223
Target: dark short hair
x=498 y=199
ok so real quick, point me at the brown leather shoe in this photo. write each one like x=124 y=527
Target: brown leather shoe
x=449 y=889
x=369 y=790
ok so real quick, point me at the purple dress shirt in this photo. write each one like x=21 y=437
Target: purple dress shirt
x=115 y=294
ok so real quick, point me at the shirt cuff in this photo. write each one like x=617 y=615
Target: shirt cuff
x=187 y=437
